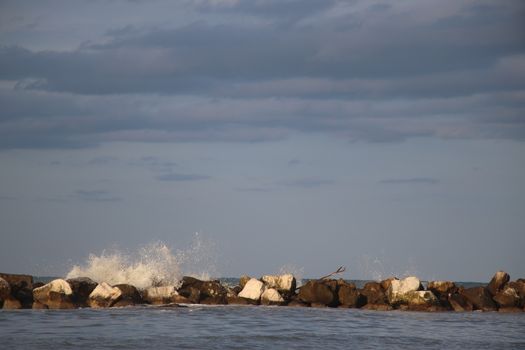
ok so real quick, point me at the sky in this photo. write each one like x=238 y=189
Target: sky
x=387 y=137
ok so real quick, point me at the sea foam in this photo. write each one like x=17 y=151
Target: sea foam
x=152 y=265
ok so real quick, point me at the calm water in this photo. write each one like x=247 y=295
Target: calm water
x=243 y=327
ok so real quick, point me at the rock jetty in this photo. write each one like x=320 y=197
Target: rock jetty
x=500 y=294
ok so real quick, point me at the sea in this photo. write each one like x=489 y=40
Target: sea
x=257 y=327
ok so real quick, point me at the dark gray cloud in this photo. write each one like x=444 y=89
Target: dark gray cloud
x=182 y=177
x=360 y=70
x=411 y=181
x=95 y=196
x=310 y=182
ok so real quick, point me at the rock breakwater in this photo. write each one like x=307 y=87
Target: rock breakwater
x=500 y=294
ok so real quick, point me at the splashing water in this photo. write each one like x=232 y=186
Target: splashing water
x=152 y=265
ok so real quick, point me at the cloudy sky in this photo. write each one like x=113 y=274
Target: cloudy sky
x=384 y=136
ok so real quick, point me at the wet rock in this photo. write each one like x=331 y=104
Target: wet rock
x=271 y=297
x=508 y=297
x=398 y=291
x=129 y=296
x=252 y=290
x=318 y=292
x=510 y=309
x=374 y=293
x=82 y=288
x=236 y=300
x=39 y=306
x=203 y=292
x=103 y=295
x=243 y=280
x=57 y=294
x=349 y=296
x=284 y=284
x=497 y=282
x=480 y=298
x=459 y=303
x=160 y=295
x=297 y=303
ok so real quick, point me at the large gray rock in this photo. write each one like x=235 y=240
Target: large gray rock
x=57 y=294
x=497 y=282
x=252 y=290
x=284 y=284
x=103 y=296
x=399 y=290
x=163 y=295
x=271 y=297
x=317 y=293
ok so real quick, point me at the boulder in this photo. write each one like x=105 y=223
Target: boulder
x=399 y=289
x=160 y=295
x=459 y=303
x=5 y=290
x=442 y=288
x=21 y=288
x=243 y=280
x=82 y=288
x=57 y=294
x=349 y=296
x=129 y=296
x=508 y=297
x=203 y=292
x=374 y=293
x=284 y=284
x=497 y=282
x=252 y=290
x=318 y=293
x=271 y=297
x=519 y=286
x=385 y=284
x=421 y=300
x=104 y=295
x=480 y=298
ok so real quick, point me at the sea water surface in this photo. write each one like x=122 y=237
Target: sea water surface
x=257 y=327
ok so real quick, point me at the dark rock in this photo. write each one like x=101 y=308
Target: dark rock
x=317 y=292
x=459 y=303
x=297 y=303
x=510 y=309
x=374 y=293
x=235 y=300
x=81 y=288
x=237 y=289
x=480 y=298
x=38 y=285
x=508 y=297
x=442 y=288
x=130 y=296
x=39 y=306
x=349 y=296
x=203 y=292
x=497 y=282
x=18 y=281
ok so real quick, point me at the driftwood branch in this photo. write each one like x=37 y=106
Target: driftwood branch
x=341 y=269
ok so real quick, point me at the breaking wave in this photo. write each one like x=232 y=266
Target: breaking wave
x=152 y=265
